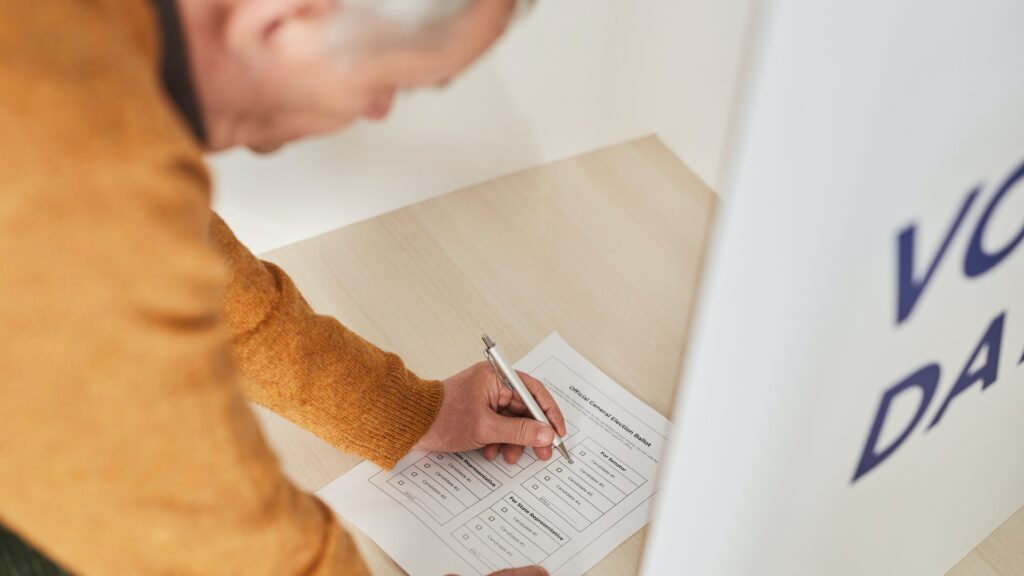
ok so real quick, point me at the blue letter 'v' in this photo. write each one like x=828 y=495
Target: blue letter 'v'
x=909 y=288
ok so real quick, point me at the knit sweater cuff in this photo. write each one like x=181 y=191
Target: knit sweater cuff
x=404 y=407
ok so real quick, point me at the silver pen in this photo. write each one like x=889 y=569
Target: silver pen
x=514 y=383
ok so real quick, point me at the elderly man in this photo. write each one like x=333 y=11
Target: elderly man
x=130 y=316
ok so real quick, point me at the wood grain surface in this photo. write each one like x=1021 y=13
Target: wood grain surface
x=605 y=248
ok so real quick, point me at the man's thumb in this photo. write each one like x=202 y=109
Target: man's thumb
x=521 y=431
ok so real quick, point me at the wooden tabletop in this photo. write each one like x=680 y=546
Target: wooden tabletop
x=605 y=248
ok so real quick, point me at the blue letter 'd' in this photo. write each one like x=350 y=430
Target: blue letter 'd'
x=927 y=379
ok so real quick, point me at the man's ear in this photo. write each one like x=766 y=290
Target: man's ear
x=251 y=25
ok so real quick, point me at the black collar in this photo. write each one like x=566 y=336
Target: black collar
x=175 y=70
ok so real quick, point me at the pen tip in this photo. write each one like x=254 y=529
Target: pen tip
x=487 y=341
x=564 y=452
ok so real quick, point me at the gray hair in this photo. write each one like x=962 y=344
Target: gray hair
x=386 y=22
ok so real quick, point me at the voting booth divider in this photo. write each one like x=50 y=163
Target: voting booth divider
x=853 y=397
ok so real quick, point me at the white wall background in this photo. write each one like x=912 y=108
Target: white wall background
x=572 y=76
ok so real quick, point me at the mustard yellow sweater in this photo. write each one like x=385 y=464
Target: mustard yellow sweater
x=130 y=317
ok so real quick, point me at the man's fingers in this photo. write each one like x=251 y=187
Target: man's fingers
x=491 y=451
x=544 y=399
x=515 y=406
x=521 y=431
x=522 y=571
x=512 y=453
x=542 y=452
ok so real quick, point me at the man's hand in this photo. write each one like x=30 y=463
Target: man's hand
x=478 y=411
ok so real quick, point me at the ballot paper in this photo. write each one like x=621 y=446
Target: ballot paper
x=441 y=513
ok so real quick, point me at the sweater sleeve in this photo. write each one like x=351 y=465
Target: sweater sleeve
x=313 y=370
x=126 y=444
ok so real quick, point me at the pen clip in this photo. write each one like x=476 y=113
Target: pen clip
x=498 y=372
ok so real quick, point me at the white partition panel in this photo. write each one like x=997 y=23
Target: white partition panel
x=853 y=398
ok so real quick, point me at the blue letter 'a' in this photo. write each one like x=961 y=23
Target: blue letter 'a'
x=909 y=288
x=991 y=341
x=927 y=379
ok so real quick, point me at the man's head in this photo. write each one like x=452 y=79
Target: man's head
x=271 y=71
